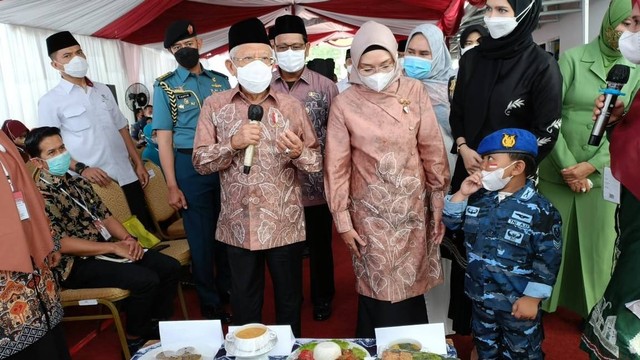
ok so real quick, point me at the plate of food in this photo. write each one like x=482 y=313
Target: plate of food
x=154 y=352
x=329 y=350
x=407 y=349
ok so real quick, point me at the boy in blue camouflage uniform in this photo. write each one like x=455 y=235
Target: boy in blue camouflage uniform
x=512 y=238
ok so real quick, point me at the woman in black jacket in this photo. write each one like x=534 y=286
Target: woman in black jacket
x=506 y=81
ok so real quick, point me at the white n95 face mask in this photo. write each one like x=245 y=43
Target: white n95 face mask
x=629 y=45
x=502 y=26
x=378 y=81
x=493 y=181
x=254 y=77
x=77 y=67
x=291 y=60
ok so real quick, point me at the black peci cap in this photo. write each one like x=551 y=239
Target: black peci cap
x=249 y=31
x=60 y=40
x=289 y=24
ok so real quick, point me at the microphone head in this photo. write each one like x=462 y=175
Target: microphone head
x=619 y=74
x=255 y=111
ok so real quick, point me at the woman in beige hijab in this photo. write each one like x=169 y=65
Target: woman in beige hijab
x=386 y=173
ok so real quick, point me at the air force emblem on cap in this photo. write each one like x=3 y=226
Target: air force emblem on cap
x=508 y=140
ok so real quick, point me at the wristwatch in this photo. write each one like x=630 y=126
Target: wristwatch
x=80 y=167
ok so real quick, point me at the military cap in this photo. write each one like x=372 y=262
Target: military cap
x=510 y=140
x=178 y=30
x=249 y=31
x=60 y=40
x=289 y=24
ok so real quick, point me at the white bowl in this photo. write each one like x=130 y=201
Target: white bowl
x=250 y=339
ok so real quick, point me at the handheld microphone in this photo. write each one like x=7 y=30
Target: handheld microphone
x=255 y=115
x=616 y=79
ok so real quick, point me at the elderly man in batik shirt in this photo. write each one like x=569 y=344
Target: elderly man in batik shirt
x=315 y=92
x=262 y=213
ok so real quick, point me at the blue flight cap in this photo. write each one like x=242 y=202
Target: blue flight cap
x=510 y=140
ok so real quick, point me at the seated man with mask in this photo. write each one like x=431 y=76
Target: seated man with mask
x=87 y=230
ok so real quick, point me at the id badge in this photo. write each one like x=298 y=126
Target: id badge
x=103 y=230
x=21 y=205
x=611 y=186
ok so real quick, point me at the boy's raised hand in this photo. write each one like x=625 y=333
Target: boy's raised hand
x=471 y=184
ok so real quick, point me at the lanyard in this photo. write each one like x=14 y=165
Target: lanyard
x=83 y=205
x=6 y=173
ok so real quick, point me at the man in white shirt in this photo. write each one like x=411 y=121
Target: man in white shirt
x=92 y=126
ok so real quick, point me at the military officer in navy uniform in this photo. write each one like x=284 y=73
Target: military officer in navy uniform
x=513 y=243
x=178 y=97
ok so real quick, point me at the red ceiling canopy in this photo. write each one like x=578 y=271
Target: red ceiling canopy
x=143 y=21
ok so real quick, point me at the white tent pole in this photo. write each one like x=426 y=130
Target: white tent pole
x=585 y=21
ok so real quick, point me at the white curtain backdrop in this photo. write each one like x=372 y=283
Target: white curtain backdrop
x=26 y=73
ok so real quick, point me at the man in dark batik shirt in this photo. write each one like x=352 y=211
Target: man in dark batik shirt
x=86 y=229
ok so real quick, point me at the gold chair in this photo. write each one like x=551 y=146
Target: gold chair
x=156 y=192
x=99 y=296
x=115 y=200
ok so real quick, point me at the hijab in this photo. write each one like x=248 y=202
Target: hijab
x=373 y=33
x=23 y=242
x=148 y=134
x=440 y=57
x=470 y=30
x=617 y=12
x=520 y=38
x=437 y=83
x=14 y=129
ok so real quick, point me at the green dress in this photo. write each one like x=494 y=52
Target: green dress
x=588 y=220
x=613 y=331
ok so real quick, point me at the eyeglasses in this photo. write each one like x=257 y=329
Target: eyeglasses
x=294 y=47
x=187 y=44
x=384 y=68
x=247 y=59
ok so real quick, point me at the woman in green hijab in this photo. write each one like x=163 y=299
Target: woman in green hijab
x=571 y=176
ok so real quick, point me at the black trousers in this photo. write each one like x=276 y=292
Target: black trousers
x=152 y=281
x=459 y=303
x=248 y=280
x=209 y=264
x=52 y=346
x=319 y=237
x=138 y=204
x=374 y=313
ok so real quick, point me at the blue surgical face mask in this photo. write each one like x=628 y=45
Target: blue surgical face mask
x=59 y=164
x=417 y=67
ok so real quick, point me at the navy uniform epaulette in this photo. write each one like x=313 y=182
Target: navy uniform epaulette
x=213 y=72
x=164 y=76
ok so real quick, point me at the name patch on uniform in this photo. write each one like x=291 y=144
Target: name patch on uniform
x=513 y=236
x=472 y=211
x=519 y=224
x=183 y=96
x=520 y=216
